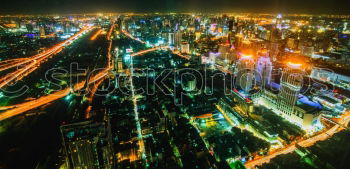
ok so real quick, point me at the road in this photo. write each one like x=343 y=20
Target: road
x=180 y=55
x=23 y=107
x=18 y=109
x=91 y=94
x=93 y=37
x=94 y=88
x=141 y=144
x=150 y=50
x=132 y=37
x=259 y=161
x=32 y=63
x=304 y=143
x=155 y=48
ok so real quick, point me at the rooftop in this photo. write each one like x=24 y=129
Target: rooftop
x=328 y=99
x=308 y=106
x=294 y=65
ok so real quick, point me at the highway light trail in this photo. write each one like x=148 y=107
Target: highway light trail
x=90 y=97
x=149 y=50
x=154 y=49
x=180 y=55
x=109 y=66
x=292 y=147
x=110 y=31
x=13 y=63
x=6 y=64
x=18 y=109
x=93 y=37
x=23 y=107
x=132 y=37
x=70 y=79
x=109 y=55
x=36 y=60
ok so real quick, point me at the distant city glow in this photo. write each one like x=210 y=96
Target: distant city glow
x=230 y=85
x=246 y=56
x=294 y=65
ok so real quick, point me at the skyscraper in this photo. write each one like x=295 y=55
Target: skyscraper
x=42 y=31
x=279 y=21
x=263 y=69
x=119 y=64
x=171 y=39
x=178 y=39
x=185 y=48
x=245 y=73
x=291 y=83
x=88 y=145
x=198 y=35
x=289 y=102
x=274 y=50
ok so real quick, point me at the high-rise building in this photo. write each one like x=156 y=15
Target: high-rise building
x=307 y=51
x=263 y=69
x=288 y=102
x=291 y=43
x=178 y=39
x=118 y=61
x=88 y=145
x=67 y=28
x=245 y=73
x=171 y=39
x=190 y=85
x=42 y=31
x=119 y=64
x=198 y=35
x=185 y=48
x=279 y=21
x=224 y=50
x=291 y=83
x=274 y=51
x=238 y=42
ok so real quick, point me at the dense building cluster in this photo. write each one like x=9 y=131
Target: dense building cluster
x=173 y=90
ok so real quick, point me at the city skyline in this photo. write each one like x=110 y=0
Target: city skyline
x=174 y=90
x=238 y=6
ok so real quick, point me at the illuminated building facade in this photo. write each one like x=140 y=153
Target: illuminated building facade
x=279 y=21
x=88 y=145
x=42 y=31
x=307 y=51
x=330 y=103
x=245 y=73
x=291 y=83
x=185 y=48
x=328 y=75
x=119 y=64
x=274 y=50
x=226 y=56
x=292 y=43
x=178 y=39
x=245 y=104
x=285 y=99
x=171 y=39
x=198 y=35
x=189 y=83
x=293 y=106
x=263 y=69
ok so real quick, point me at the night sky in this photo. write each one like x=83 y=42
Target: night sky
x=84 y=6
